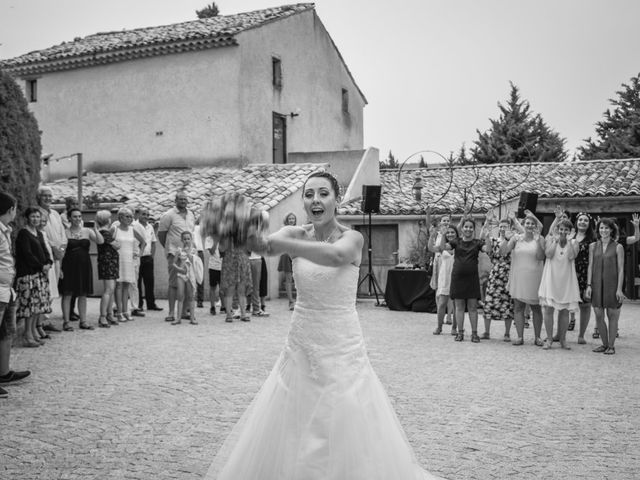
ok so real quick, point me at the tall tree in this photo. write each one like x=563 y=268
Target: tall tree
x=209 y=11
x=518 y=136
x=390 y=162
x=20 y=147
x=422 y=163
x=460 y=158
x=619 y=132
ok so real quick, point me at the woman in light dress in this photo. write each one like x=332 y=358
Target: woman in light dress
x=126 y=236
x=527 y=257
x=322 y=413
x=446 y=258
x=559 y=291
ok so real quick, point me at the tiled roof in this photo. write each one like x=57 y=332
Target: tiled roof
x=265 y=185
x=110 y=47
x=596 y=178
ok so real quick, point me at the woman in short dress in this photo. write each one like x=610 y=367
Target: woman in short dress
x=77 y=273
x=585 y=236
x=235 y=277
x=465 y=280
x=559 y=290
x=527 y=262
x=108 y=267
x=285 y=266
x=33 y=263
x=605 y=277
x=126 y=236
x=498 y=305
x=444 y=276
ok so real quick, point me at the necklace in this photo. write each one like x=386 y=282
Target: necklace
x=326 y=240
x=76 y=235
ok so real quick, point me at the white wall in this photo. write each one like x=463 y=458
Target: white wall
x=113 y=113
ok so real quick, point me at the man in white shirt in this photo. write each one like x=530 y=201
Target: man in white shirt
x=55 y=232
x=177 y=220
x=145 y=276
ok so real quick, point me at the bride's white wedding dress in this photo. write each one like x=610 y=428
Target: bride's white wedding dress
x=322 y=414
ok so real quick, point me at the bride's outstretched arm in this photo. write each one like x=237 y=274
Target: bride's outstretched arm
x=291 y=240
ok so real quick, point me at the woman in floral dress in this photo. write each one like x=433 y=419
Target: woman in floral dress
x=497 y=301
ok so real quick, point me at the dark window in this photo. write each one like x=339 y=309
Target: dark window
x=32 y=90
x=276 y=65
x=345 y=100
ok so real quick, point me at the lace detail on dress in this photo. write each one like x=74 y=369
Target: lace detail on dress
x=325 y=326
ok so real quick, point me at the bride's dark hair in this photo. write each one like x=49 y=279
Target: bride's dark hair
x=332 y=180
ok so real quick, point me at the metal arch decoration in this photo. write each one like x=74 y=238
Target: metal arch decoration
x=466 y=190
x=402 y=169
x=505 y=189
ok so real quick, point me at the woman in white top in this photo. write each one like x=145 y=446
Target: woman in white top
x=126 y=236
x=559 y=285
x=444 y=275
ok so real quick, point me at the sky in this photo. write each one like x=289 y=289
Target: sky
x=433 y=71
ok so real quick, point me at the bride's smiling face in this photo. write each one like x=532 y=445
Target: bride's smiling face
x=319 y=199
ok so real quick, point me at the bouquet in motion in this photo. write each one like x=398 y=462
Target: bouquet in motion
x=232 y=217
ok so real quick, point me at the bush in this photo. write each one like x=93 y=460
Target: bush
x=20 y=146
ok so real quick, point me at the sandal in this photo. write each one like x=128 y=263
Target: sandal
x=459 y=337
x=176 y=322
x=538 y=342
x=485 y=336
x=85 y=326
x=547 y=344
x=475 y=338
x=112 y=321
x=610 y=351
x=600 y=349
x=519 y=341
x=102 y=322
x=596 y=333
x=506 y=338
x=228 y=319
x=572 y=324
x=193 y=322
x=437 y=331
x=170 y=318
x=66 y=327
x=581 y=341
x=245 y=318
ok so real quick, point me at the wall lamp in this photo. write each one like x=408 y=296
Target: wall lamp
x=417 y=187
x=295 y=113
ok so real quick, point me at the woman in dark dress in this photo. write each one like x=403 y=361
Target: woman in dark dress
x=585 y=237
x=108 y=268
x=604 y=287
x=465 y=280
x=32 y=276
x=77 y=274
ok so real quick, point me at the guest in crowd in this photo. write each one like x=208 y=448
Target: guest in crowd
x=199 y=246
x=584 y=236
x=527 y=257
x=446 y=256
x=52 y=276
x=108 y=267
x=128 y=238
x=177 y=220
x=77 y=273
x=497 y=305
x=235 y=277
x=559 y=291
x=7 y=295
x=69 y=203
x=134 y=293
x=285 y=265
x=604 y=287
x=465 y=280
x=440 y=232
x=625 y=241
x=188 y=270
x=264 y=287
x=255 y=263
x=146 y=274
x=214 y=267
x=55 y=233
x=32 y=277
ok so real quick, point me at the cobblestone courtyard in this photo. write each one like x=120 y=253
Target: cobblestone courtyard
x=147 y=400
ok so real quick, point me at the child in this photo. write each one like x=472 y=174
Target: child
x=108 y=267
x=189 y=270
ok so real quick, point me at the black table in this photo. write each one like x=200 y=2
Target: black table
x=409 y=290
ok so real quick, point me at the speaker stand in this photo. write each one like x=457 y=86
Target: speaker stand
x=373 y=282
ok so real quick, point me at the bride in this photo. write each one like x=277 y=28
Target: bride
x=322 y=414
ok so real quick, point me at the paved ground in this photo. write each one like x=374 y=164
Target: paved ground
x=148 y=400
